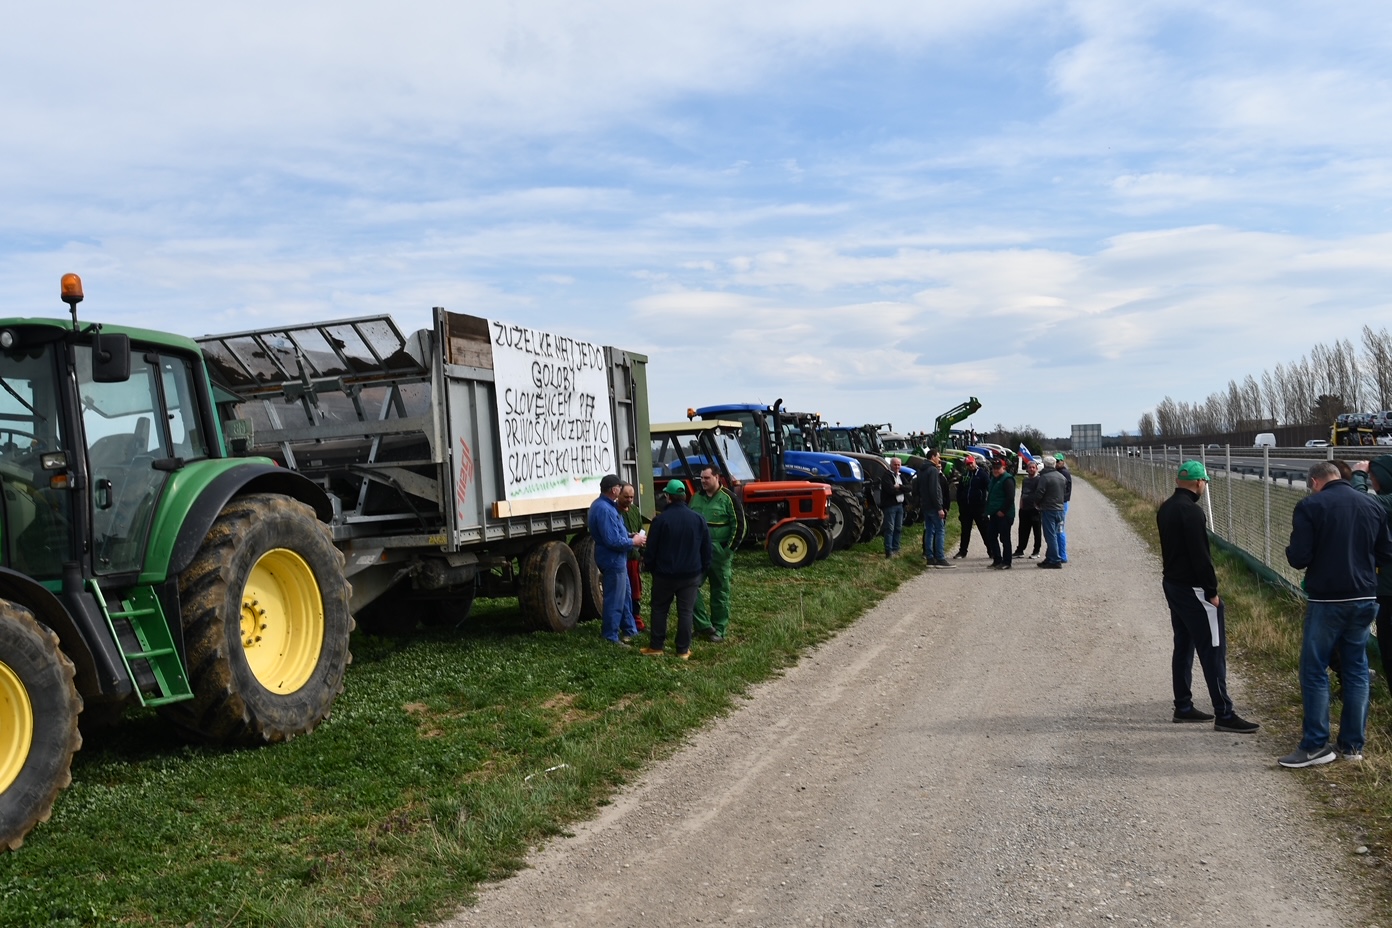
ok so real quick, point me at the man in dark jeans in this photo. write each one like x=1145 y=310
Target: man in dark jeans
x=678 y=554
x=894 y=492
x=972 y=485
x=1000 y=514
x=1196 y=611
x=1030 y=520
x=1340 y=538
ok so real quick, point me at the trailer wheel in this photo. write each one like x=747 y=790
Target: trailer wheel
x=591 y=580
x=792 y=546
x=39 y=707
x=266 y=624
x=551 y=587
x=845 y=517
x=874 y=522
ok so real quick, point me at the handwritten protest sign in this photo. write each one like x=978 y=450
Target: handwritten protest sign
x=552 y=396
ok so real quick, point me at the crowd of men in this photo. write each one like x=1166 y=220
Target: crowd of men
x=692 y=543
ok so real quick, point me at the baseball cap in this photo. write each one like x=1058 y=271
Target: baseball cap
x=674 y=488
x=1059 y=456
x=1192 y=470
x=608 y=482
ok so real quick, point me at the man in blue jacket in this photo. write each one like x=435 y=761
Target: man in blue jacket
x=1339 y=537
x=612 y=544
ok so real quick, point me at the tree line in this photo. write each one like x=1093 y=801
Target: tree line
x=1332 y=379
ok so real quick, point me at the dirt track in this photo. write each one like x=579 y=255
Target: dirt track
x=984 y=748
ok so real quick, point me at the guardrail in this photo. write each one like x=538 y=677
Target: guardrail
x=1251 y=491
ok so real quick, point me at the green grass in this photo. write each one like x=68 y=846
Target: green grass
x=1264 y=623
x=450 y=754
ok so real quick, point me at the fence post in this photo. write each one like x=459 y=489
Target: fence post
x=1228 y=467
x=1266 y=502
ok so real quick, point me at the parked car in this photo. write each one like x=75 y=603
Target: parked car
x=1265 y=440
x=1317 y=443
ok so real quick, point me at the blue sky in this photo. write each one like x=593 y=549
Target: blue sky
x=1067 y=209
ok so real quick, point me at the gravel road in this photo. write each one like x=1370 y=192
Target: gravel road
x=983 y=748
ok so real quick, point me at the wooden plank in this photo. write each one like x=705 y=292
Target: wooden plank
x=528 y=507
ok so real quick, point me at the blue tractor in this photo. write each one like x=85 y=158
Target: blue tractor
x=778 y=450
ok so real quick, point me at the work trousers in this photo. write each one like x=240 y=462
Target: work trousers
x=717 y=617
x=666 y=588
x=1030 y=522
x=1199 y=629
x=971 y=517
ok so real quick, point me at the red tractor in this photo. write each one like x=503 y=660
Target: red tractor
x=789 y=517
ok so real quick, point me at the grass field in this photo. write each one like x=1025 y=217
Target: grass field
x=450 y=754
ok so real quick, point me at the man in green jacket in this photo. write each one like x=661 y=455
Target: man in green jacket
x=1000 y=514
x=715 y=504
x=1377 y=476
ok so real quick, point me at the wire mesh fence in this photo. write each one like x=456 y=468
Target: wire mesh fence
x=1251 y=492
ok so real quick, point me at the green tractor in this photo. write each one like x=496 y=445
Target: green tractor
x=140 y=564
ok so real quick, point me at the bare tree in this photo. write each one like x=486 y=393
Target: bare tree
x=1147 y=426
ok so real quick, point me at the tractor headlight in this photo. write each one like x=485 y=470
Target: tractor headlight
x=856 y=472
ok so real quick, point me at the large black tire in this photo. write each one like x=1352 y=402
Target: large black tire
x=551 y=587
x=39 y=707
x=591 y=580
x=792 y=545
x=845 y=518
x=874 y=522
x=266 y=624
x=823 y=537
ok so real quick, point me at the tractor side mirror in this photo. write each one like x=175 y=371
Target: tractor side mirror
x=110 y=358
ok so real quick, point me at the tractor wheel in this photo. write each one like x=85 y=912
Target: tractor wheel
x=266 y=624
x=824 y=542
x=551 y=587
x=792 y=546
x=39 y=707
x=845 y=517
x=874 y=522
x=591 y=580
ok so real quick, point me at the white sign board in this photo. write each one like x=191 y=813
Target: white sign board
x=552 y=395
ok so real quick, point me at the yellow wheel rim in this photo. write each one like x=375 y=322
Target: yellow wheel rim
x=16 y=726
x=282 y=621
x=791 y=547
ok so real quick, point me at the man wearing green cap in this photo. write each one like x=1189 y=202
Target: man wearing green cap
x=715 y=504
x=1196 y=611
x=1376 y=476
x=678 y=554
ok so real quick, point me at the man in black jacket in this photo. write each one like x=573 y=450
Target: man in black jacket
x=894 y=493
x=972 y=485
x=933 y=501
x=1028 y=515
x=1340 y=538
x=1196 y=611
x=678 y=554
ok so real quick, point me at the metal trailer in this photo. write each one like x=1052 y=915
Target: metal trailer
x=460 y=460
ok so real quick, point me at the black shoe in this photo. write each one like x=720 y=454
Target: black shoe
x=1236 y=724
x=715 y=637
x=1192 y=715
x=1049 y=565
x=959 y=554
x=1018 y=554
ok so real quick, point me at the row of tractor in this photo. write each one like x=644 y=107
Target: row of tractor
x=195 y=525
